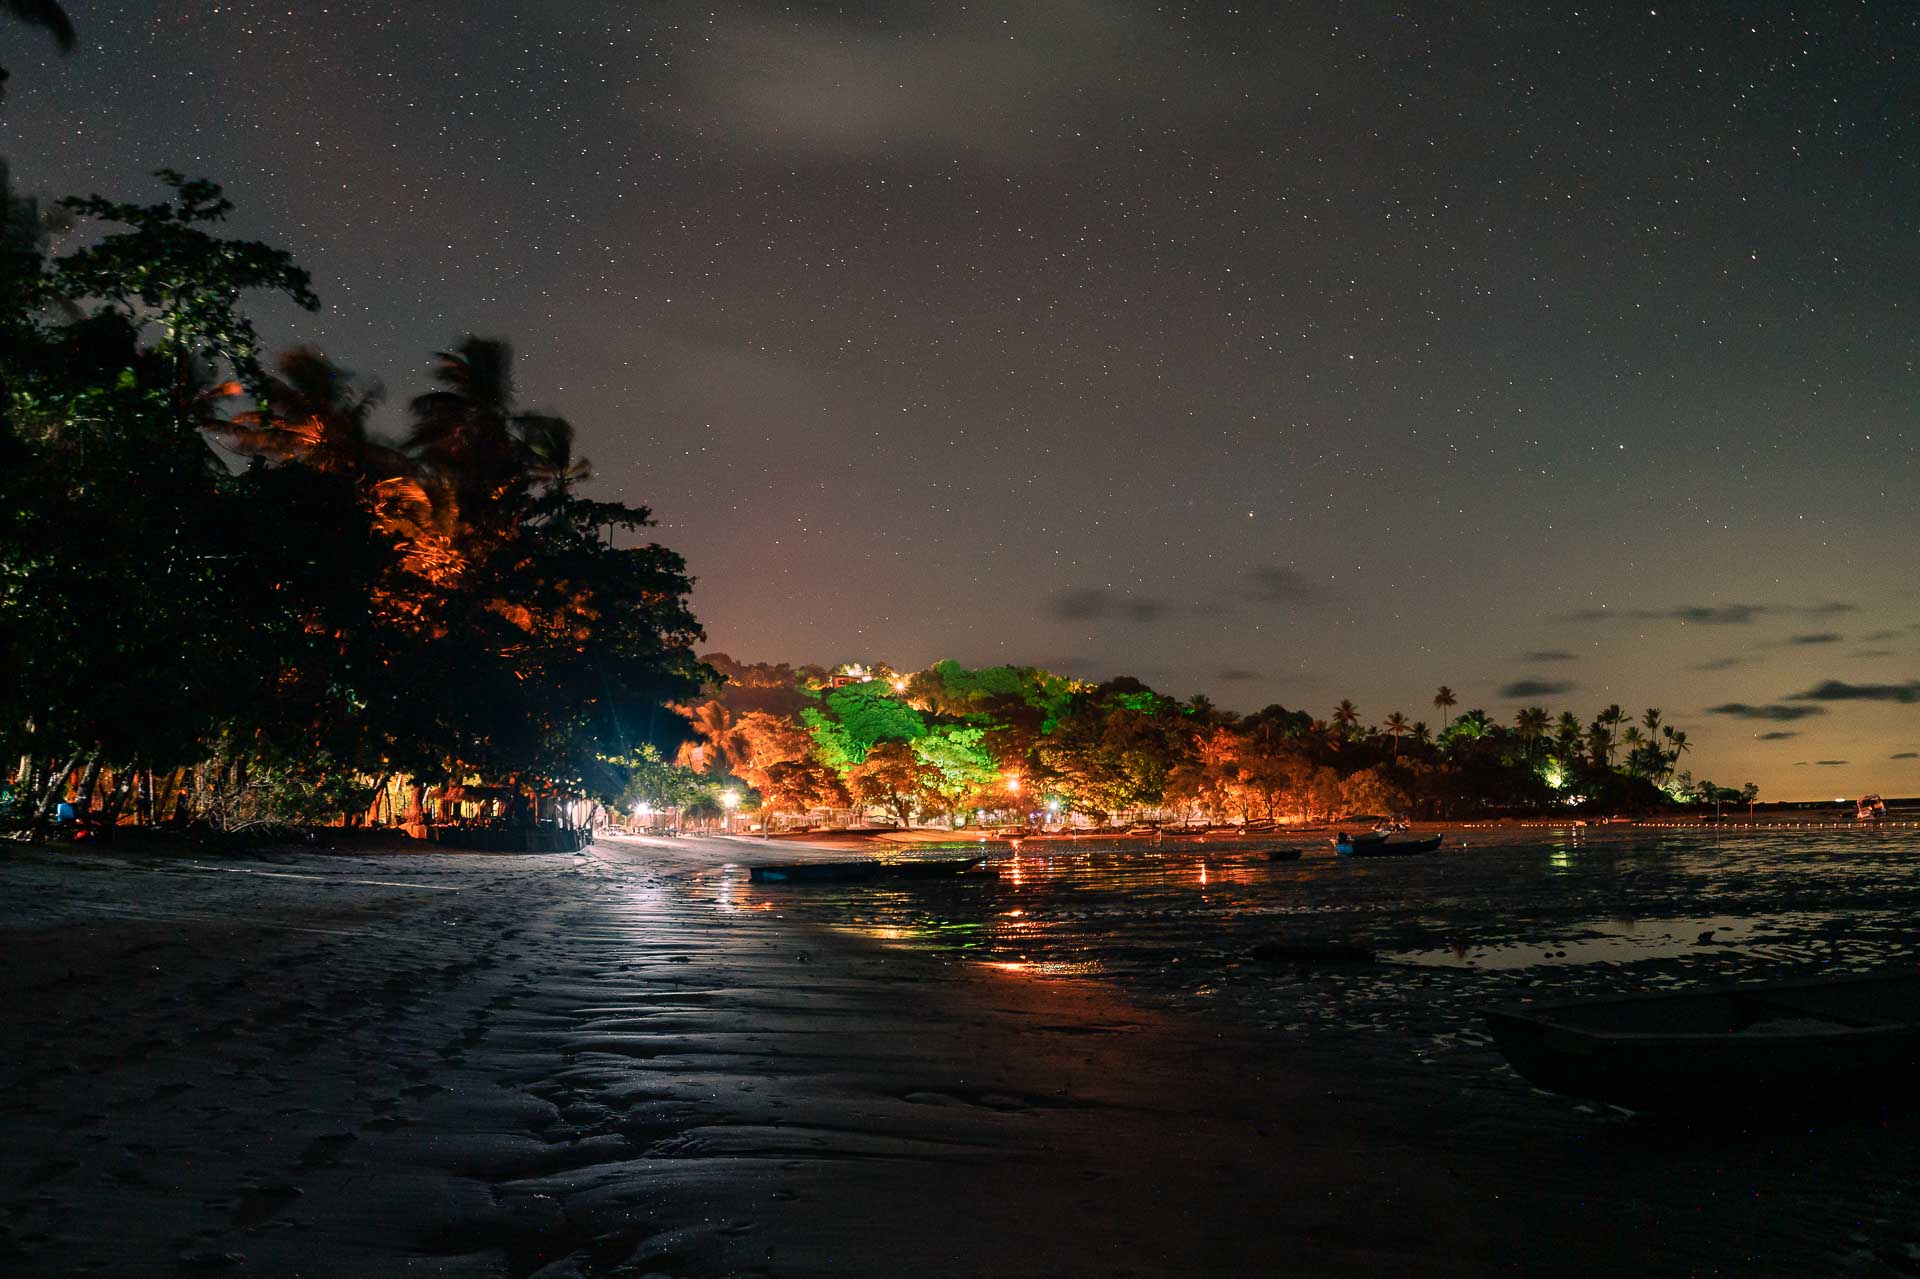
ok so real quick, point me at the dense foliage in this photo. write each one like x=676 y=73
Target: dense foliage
x=218 y=574
x=1018 y=744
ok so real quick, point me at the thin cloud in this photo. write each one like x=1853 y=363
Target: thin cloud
x=1537 y=688
x=1777 y=735
x=1906 y=755
x=1285 y=586
x=1771 y=711
x=1723 y=663
x=1872 y=652
x=1711 y=614
x=1019 y=82
x=1097 y=604
x=1550 y=655
x=1235 y=675
x=1829 y=763
x=1820 y=637
x=1834 y=690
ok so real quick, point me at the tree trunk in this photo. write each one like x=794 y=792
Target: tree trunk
x=143 y=806
x=89 y=781
x=123 y=784
x=45 y=803
x=382 y=809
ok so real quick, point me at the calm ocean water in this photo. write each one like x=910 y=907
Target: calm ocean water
x=1494 y=917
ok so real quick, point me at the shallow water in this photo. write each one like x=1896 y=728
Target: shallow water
x=1495 y=916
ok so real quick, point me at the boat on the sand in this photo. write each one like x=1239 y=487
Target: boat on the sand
x=862 y=872
x=1383 y=846
x=1806 y=1044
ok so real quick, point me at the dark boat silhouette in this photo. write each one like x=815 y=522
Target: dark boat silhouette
x=1818 y=1043
x=1382 y=845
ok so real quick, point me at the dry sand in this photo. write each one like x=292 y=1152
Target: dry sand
x=350 y=1063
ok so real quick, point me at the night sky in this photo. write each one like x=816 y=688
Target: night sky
x=1288 y=352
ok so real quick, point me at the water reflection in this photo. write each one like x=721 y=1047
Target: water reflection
x=1565 y=910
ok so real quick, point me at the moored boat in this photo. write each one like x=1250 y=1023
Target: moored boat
x=1794 y=1045
x=1348 y=846
x=1283 y=854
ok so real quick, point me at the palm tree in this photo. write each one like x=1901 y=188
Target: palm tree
x=463 y=435
x=1397 y=727
x=546 y=452
x=1346 y=715
x=1632 y=740
x=1677 y=745
x=1474 y=724
x=1444 y=701
x=1532 y=725
x=722 y=743
x=1567 y=733
x=1609 y=720
x=1600 y=745
x=1421 y=734
x=313 y=414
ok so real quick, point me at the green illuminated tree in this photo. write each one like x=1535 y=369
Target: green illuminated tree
x=959 y=768
x=856 y=717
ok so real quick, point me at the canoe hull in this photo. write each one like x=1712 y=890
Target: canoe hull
x=1389 y=848
x=1785 y=1045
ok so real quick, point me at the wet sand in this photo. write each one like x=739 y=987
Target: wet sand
x=348 y=1063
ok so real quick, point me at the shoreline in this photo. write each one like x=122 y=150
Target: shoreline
x=475 y=1064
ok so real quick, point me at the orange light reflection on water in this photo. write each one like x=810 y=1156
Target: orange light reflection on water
x=1045 y=967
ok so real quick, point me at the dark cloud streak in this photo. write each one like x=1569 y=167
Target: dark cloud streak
x=1834 y=690
x=1537 y=688
x=1774 y=711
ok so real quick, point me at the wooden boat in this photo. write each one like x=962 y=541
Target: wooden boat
x=942 y=869
x=1347 y=846
x=1283 y=854
x=1360 y=837
x=862 y=872
x=1793 y=1045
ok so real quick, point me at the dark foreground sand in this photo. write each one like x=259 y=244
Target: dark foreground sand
x=442 y=1064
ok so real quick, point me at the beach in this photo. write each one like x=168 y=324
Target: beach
x=351 y=1061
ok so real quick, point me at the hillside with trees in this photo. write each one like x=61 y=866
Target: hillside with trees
x=1018 y=745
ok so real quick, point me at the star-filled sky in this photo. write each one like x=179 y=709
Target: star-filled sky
x=1286 y=352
